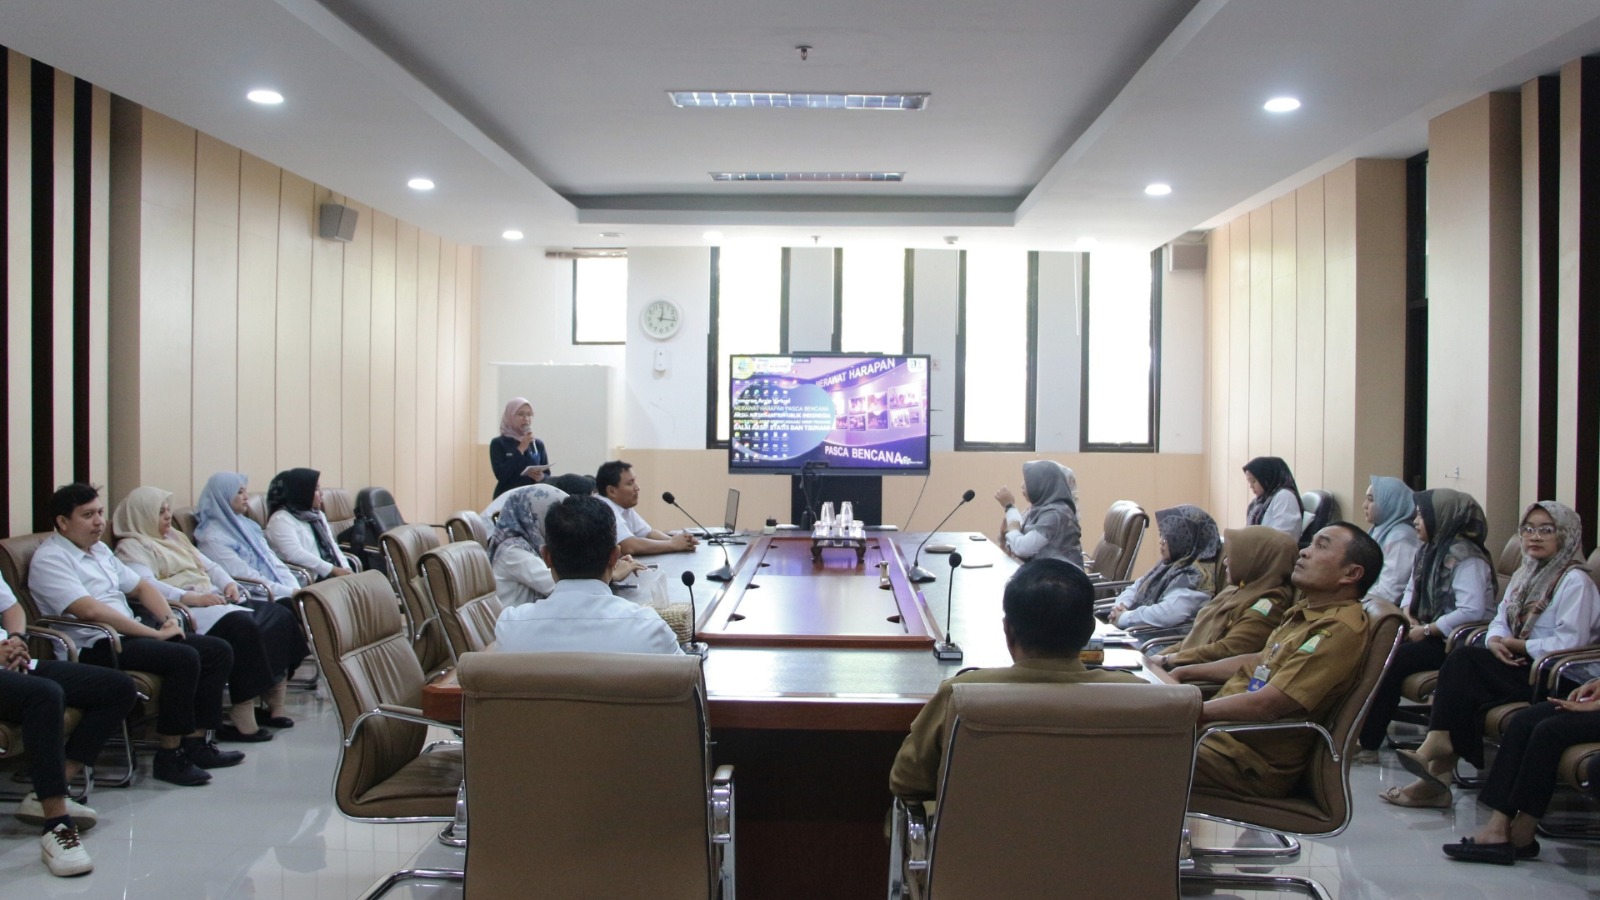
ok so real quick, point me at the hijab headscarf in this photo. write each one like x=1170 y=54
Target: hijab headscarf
x=1259 y=559
x=1273 y=474
x=1191 y=536
x=508 y=419
x=1534 y=583
x=1456 y=529
x=174 y=560
x=220 y=524
x=295 y=492
x=521 y=520
x=1053 y=492
x=1393 y=507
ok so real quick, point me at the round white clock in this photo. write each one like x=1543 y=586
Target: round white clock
x=661 y=319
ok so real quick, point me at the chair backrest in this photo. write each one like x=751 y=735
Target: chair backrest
x=1508 y=562
x=404 y=546
x=360 y=642
x=1327 y=780
x=256 y=509
x=1023 y=810
x=616 y=804
x=467 y=525
x=340 y=509
x=1594 y=566
x=1120 y=537
x=461 y=583
x=378 y=504
x=15 y=555
x=1320 y=509
x=185 y=520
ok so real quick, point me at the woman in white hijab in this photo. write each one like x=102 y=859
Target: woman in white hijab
x=1050 y=529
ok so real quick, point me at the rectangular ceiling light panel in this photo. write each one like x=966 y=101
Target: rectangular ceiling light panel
x=783 y=100
x=808 y=176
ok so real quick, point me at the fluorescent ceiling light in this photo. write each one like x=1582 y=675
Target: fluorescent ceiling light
x=611 y=234
x=785 y=100
x=808 y=176
x=511 y=234
x=712 y=236
x=1281 y=105
x=1158 y=189
x=420 y=184
x=264 y=97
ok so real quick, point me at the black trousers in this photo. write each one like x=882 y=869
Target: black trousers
x=1470 y=682
x=193 y=672
x=37 y=701
x=1410 y=658
x=252 y=672
x=1524 y=773
x=281 y=632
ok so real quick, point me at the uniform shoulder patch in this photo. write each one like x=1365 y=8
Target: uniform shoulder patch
x=1312 y=642
x=1262 y=606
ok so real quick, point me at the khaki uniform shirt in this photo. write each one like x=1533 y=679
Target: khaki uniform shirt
x=1315 y=657
x=1231 y=625
x=916 y=767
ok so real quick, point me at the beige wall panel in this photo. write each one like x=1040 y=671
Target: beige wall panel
x=1379 y=426
x=1309 y=335
x=258 y=320
x=19 y=268
x=405 y=365
x=296 y=226
x=355 y=383
x=1569 y=213
x=1261 y=332
x=448 y=438
x=382 y=411
x=1339 y=321
x=425 y=388
x=1502 y=499
x=99 y=301
x=1230 y=510
x=466 y=373
x=1216 y=418
x=61 y=281
x=1528 y=480
x=1284 y=284
x=327 y=344
x=124 y=262
x=214 y=391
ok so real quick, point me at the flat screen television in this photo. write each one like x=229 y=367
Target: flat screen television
x=847 y=414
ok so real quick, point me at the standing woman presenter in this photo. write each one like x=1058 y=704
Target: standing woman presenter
x=518 y=458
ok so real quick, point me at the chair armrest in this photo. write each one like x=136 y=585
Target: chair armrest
x=1108 y=590
x=394 y=711
x=1159 y=643
x=1543 y=678
x=722 y=805
x=1577 y=657
x=916 y=819
x=1281 y=725
x=110 y=633
x=1168 y=633
x=1463 y=634
x=301 y=573
x=247 y=583
x=58 y=639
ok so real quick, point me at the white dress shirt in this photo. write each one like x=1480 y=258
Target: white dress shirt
x=520 y=576
x=61 y=574
x=1176 y=606
x=292 y=539
x=1468 y=582
x=1283 y=513
x=1399 y=559
x=629 y=522
x=582 y=615
x=1571 y=620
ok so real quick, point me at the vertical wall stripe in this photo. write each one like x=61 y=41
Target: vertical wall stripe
x=82 y=172
x=1588 y=297
x=42 y=295
x=5 y=285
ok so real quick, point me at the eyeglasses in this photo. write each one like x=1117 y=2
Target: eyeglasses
x=1540 y=530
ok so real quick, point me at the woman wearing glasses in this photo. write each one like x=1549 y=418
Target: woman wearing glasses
x=1551 y=604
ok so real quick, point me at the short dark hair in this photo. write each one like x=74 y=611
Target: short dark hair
x=581 y=533
x=1362 y=551
x=610 y=474
x=1049 y=604
x=572 y=483
x=69 y=497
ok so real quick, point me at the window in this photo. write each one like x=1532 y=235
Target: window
x=599 y=300
x=872 y=300
x=996 y=346
x=1121 y=318
x=749 y=314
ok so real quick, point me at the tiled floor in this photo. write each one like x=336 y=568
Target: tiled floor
x=267 y=829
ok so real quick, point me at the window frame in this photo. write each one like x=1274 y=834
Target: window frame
x=962 y=445
x=574 y=301
x=1153 y=445
x=714 y=391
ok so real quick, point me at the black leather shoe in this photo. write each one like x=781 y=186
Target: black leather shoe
x=1529 y=850
x=207 y=755
x=226 y=732
x=267 y=720
x=1500 y=853
x=174 y=767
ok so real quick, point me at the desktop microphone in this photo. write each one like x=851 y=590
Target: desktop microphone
x=948 y=650
x=692 y=645
x=725 y=573
x=917 y=574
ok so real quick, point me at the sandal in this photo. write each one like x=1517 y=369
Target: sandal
x=1398 y=796
x=1416 y=765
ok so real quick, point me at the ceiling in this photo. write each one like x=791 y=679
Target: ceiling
x=1047 y=117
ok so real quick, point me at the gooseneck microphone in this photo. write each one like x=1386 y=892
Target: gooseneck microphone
x=948 y=650
x=692 y=645
x=917 y=573
x=723 y=574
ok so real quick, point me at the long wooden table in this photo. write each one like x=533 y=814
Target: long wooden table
x=812 y=727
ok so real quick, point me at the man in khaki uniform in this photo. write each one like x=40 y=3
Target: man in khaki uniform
x=1310 y=663
x=1049 y=617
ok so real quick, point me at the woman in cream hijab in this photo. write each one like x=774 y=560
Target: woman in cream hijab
x=1242 y=615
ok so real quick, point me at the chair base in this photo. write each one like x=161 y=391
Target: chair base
x=1573 y=827
x=1252 y=881
x=403 y=875
x=1286 y=848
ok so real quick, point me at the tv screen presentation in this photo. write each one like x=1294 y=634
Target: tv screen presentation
x=864 y=415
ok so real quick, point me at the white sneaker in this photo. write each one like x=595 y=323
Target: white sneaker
x=31 y=811
x=63 y=854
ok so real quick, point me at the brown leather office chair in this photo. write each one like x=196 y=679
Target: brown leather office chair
x=384 y=775
x=184 y=520
x=1023 y=755
x=403 y=547
x=1120 y=537
x=340 y=508
x=1318 y=508
x=256 y=509
x=467 y=525
x=461 y=583
x=1320 y=806
x=1506 y=565
x=622 y=802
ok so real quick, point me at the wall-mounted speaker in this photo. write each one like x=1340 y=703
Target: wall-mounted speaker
x=336 y=222
x=1186 y=257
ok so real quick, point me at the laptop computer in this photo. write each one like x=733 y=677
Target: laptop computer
x=730 y=519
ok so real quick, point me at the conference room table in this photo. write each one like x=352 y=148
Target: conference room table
x=812 y=730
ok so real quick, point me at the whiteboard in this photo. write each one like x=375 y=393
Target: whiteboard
x=571 y=411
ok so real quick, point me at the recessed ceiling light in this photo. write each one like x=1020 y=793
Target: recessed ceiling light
x=784 y=100
x=264 y=97
x=611 y=235
x=1281 y=105
x=712 y=236
x=808 y=176
x=1158 y=189
x=420 y=184
x=511 y=234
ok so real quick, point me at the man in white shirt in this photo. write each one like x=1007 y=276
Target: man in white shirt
x=634 y=535
x=581 y=614
x=72 y=574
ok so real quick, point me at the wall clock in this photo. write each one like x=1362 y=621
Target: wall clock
x=661 y=319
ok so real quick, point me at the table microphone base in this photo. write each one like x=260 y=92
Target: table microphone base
x=948 y=651
x=919 y=575
x=725 y=573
